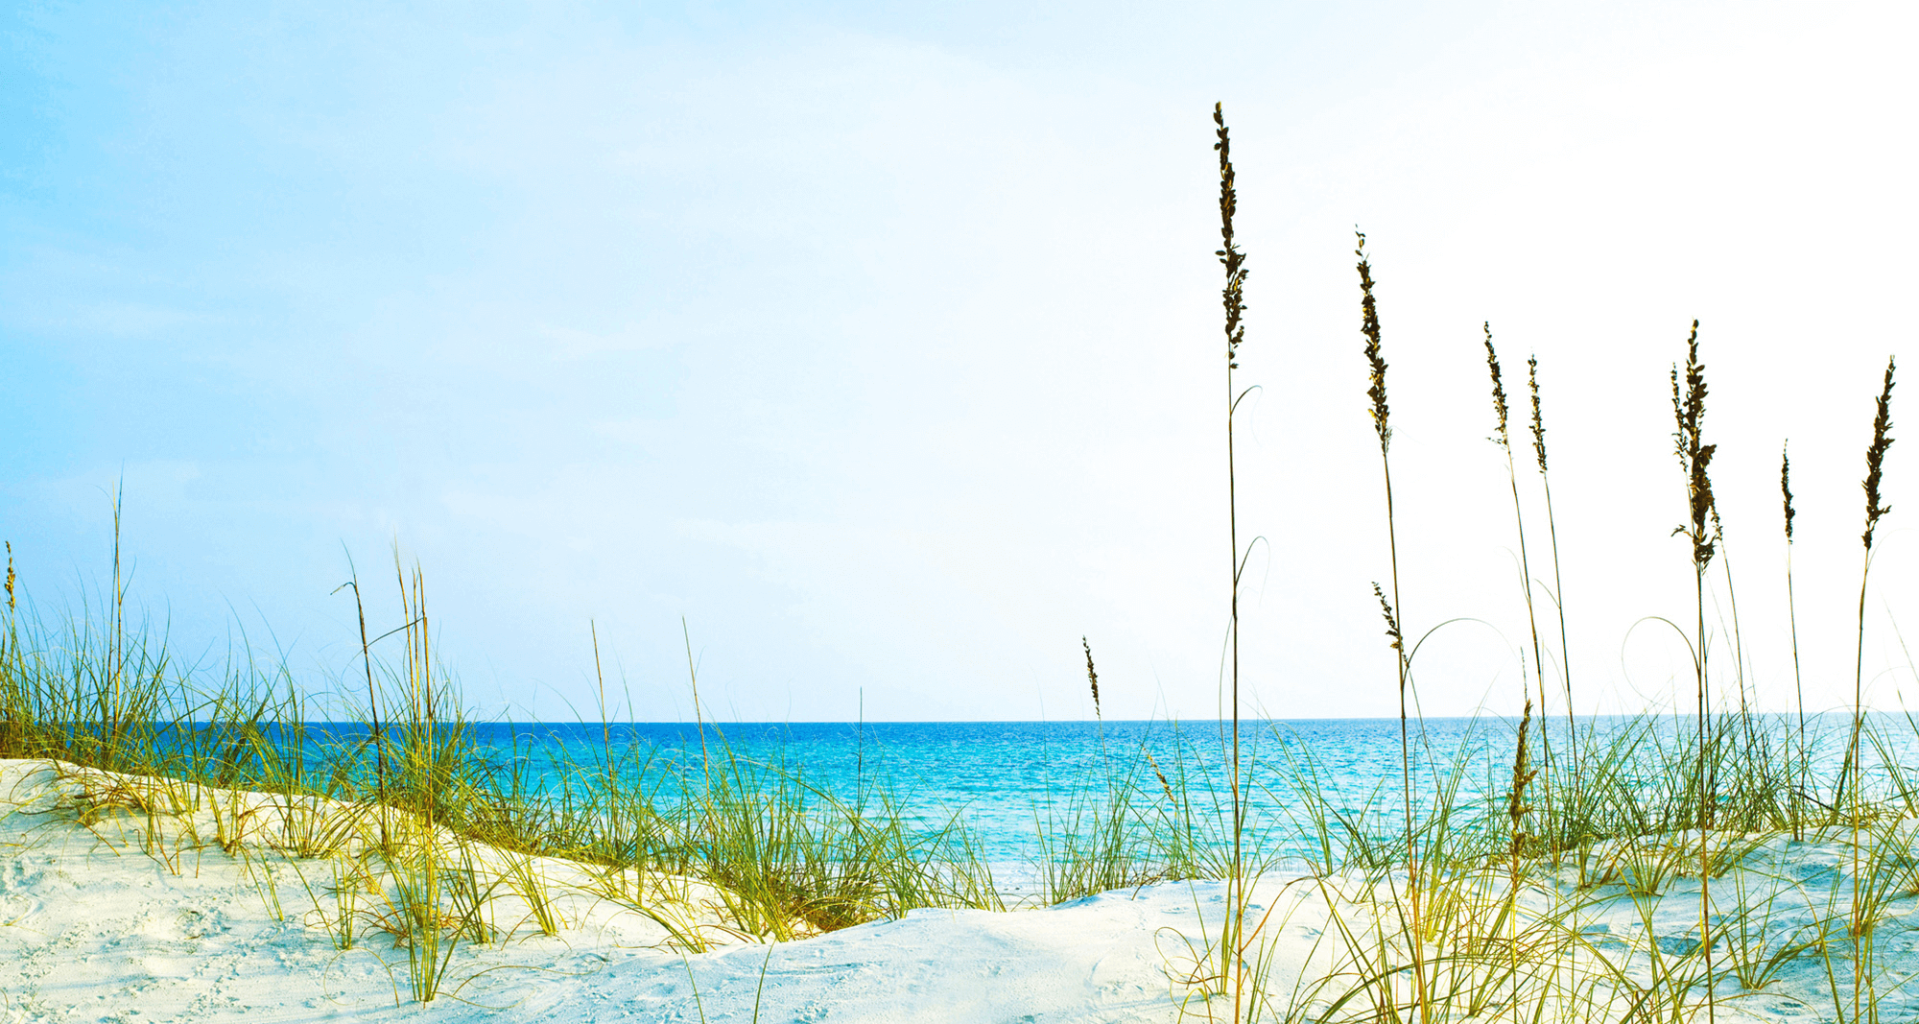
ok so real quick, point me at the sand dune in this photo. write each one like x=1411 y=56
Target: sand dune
x=102 y=921
x=209 y=912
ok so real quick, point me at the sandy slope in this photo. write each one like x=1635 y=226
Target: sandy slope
x=100 y=922
x=97 y=924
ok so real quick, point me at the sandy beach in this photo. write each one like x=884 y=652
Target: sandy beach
x=211 y=912
x=98 y=925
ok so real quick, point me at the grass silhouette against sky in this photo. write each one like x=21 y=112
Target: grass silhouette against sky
x=869 y=339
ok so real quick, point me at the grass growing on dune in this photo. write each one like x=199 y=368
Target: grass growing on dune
x=1468 y=913
x=1665 y=867
x=1649 y=815
x=1548 y=888
x=406 y=784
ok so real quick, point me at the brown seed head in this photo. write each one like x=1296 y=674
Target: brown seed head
x=1539 y=425
x=1392 y=621
x=1229 y=255
x=1523 y=773
x=1695 y=456
x=1499 y=392
x=1164 y=786
x=1369 y=326
x=1785 y=486
x=1092 y=677
x=1876 y=456
x=9 y=575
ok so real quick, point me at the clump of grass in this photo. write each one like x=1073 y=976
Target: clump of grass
x=1462 y=896
x=1516 y=807
x=1091 y=842
x=421 y=794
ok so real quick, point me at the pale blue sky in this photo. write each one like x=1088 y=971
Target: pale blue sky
x=881 y=341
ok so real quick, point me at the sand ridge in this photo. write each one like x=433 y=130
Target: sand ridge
x=229 y=911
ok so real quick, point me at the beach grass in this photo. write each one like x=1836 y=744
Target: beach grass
x=404 y=794
x=1663 y=866
x=390 y=825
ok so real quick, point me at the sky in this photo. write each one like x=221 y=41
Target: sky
x=870 y=353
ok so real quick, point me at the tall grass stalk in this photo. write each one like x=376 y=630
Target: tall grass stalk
x=376 y=735
x=1738 y=637
x=1695 y=458
x=693 y=683
x=1792 y=622
x=100 y=691
x=615 y=818
x=1092 y=683
x=429 y=949
x=1552 y=531
x=1516 y=811
x=1232 y=298
x=1875 y=464
x=1395 y=611
x=117 y=629
x=1503 y=439
x=1497 y=934
x=1483 y=932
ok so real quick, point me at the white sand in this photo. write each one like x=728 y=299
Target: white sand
x=97 y=923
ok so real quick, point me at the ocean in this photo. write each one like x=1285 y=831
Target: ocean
x=1010 y=783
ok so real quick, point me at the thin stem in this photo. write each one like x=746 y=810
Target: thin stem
x=1559 y=592
x=1559 y=586
x=1381 y=415
x=1792 y=621
x=377 y=735
x=1504 y=440
x=1875 y=465
x=1231 y=298
x=1695 y=458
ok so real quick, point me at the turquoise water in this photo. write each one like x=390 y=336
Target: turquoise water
x=1008 y=782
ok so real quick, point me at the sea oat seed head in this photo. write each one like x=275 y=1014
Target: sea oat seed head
x=1785 y=485
x=1369 y=326
x=1229 y=255
x=1876 y=456
x=1164 y=786
x=1695 y=456
x=1539 y=424
x=1092 y=677
x=1499 y=392
x=1392 y=621
x=1523 y=774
